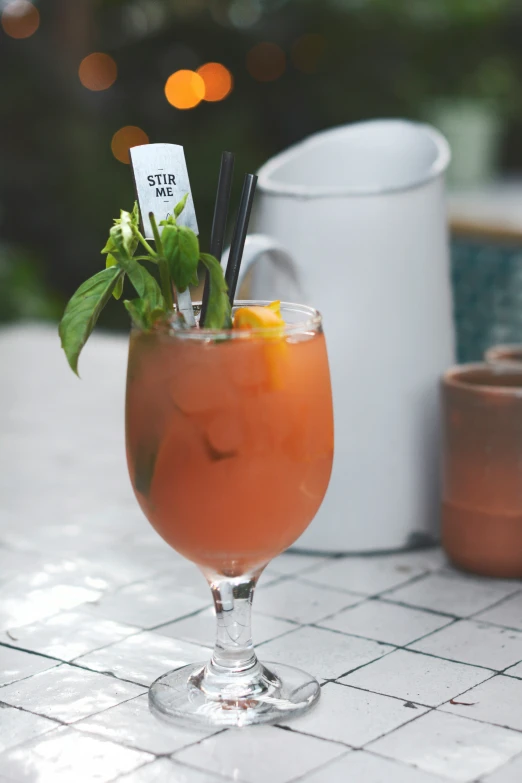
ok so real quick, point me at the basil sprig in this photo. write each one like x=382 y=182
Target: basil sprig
x=176 y=255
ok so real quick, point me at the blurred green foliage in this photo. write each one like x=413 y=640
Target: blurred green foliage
x=60 y=185
x=23 y=292
x=443 y=12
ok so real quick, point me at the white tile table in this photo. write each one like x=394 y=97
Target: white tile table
x=421 y=667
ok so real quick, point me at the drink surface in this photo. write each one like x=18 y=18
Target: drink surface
x=229 y=443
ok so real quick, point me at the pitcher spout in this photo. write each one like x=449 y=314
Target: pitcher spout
x=365 y=158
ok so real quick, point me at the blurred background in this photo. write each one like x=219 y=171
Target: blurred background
x=82 y=80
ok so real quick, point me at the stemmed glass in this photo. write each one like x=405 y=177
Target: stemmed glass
x=230 y=447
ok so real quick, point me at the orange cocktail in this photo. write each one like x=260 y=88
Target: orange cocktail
x=230 y=439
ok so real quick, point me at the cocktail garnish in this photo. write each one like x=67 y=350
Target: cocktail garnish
x=266 y=320
x=275 y=307
x=218 y=309
x=177 y=255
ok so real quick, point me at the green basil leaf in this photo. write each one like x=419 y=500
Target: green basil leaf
x=123 y=233
x=135 y=309
x=135 y=215
x=122 y=242
x=118 y=288
x=170 y=221
x=219 y=311
x=143 y=315
x=145 y=284
x=110 y=247
x=181 y=250
x=123 y=239
x=83 y=310
x=178 y=209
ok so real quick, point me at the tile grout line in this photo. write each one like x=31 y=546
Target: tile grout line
x=497 y=769
x=280 y=636
x=450 y=622
x=407 y=648
x=428 y=708
x=378 y=594
x=294 y=578
x=29 y=676
x=477 y=720
x=434 y=708
x=191 y=767
x=360 y=747
x=70 y=662
x=298 y=626
x=123 y=775
x=30 y=652
x=179 y=619
x=167 y=754
x=110 y=675
x=462 y=663
x=350 y=748
x=421 y=769
x=383 y=597
x=290 y=729
x=60 y=662
x=387 y=695
x=505 y=672
x=384 y=594
x=500 y=601
x=361 y=666
x=471 y=616
x=322 y=767
x=153 y=628
x=493 y=625
x=59 y=723
x=364 y=597
x=440 y=658
x=106 y=709
x=405 y=763
x=70 y=724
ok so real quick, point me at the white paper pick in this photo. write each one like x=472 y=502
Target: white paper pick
x=161 y=177
x=185 y=307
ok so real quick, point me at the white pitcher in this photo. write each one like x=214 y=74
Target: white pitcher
x=353 y=222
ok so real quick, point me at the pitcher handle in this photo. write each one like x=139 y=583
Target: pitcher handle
x=273 y=273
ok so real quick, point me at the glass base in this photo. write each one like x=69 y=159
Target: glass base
x=193 y=696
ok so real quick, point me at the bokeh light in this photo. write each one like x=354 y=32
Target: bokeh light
x=266 y=62
x=20 y=19
x=307 y=52
x=124 y=139
x=218 y=81
x=185 y=89
x=98 y=71
x=244 y=13
x=178 y=57
x=143 y=18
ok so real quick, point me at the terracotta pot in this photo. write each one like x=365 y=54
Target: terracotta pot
x=505 y=356
x=482 y=468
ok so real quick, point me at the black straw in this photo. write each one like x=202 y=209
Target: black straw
x=240 y=232
x=219 y=224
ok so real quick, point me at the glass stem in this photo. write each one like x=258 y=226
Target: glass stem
x=233 y=651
